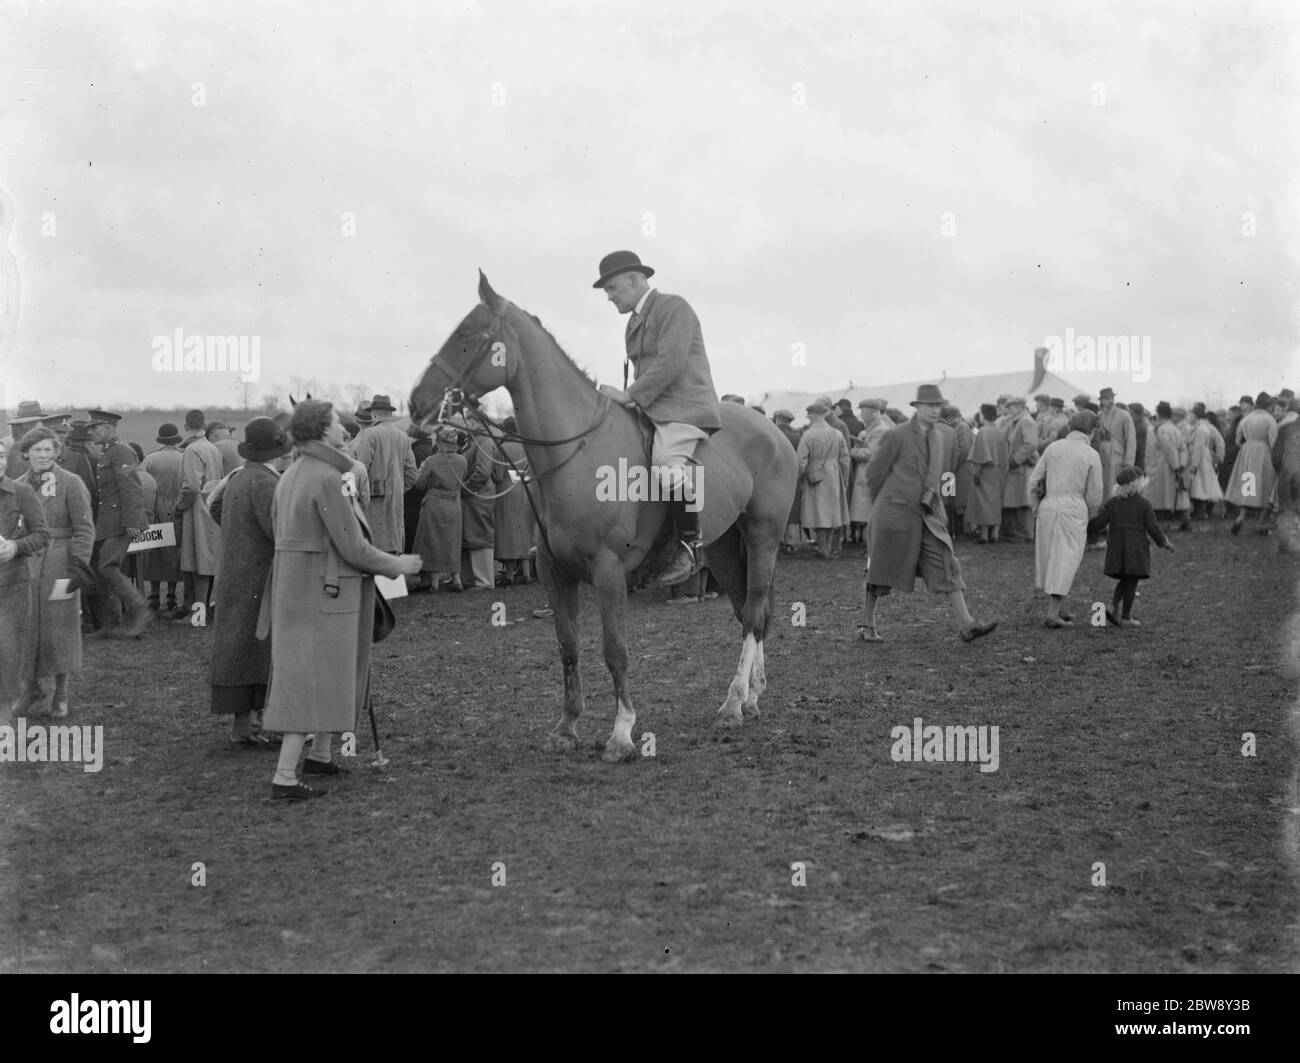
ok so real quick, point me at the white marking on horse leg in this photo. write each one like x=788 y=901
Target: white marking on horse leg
x=739 y=689
x=620 y=747
x=757 y=683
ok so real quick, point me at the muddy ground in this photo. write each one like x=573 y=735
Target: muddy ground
x=1116 y=747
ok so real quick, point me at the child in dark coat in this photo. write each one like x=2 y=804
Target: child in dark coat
x=1131 y=520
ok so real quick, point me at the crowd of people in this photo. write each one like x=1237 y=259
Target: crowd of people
x=444 y=514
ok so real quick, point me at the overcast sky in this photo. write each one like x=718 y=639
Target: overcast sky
x=883 y=192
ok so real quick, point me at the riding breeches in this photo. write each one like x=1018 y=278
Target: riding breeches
x=674 y=446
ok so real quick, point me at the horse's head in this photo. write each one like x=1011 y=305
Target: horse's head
x=476 y=359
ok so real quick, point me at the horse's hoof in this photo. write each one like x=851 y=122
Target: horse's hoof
x=618 y=754
x=750 y=710
x=728 y=722
x=561 y=743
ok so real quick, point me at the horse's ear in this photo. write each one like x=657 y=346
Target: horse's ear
x=292 y=402
x=489 y=298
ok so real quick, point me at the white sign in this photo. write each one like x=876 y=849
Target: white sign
x=154 y=537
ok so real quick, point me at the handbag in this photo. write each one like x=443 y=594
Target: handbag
x=385 y=619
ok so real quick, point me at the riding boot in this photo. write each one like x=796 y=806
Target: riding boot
x=686 y=563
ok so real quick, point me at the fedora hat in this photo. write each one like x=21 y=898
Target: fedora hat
x=264 y=440
x=362 y=416
x=103 y=417
x=818 y=408
x=928 y=395
x=168 y=435
x=382 y=402
x=1106 y=393
x=29 y=412
x=617 y=262
x=783 y=415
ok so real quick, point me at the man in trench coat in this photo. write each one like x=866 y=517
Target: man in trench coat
x=908 y=534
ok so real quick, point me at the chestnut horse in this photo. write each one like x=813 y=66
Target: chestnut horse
x=574 y=436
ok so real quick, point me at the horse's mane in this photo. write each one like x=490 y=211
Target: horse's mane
x=475 y=322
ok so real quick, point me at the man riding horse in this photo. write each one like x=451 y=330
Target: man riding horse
x=672 y=386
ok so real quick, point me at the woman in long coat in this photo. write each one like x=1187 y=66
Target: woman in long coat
x=320 y=609
x=868 y=439
x=1168 y=463
x=478 y=536
x=438 y=536
x=22 y=533
x=989 y=456
x=1253 y=476
x=1205 y=455
x=1070 y=479
x=55 y=626
x=514 y=513
x=162 y=567
x=241 y=662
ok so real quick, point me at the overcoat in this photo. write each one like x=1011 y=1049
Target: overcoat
x=1253 y=469
x=796 y=507
x=319 y=607
x=164 y=465
x=1286 y=463
x=1169 y=455
x=988 y=461
x=1022 y=453
x=514 y=514
x=965 y=442
x=437 y=539
x=1205 y=452
x=231 y=459
x=1129 y=521
x=1070 y=475
x=385 y=451
x=22 y=520
x=824 y=469
x=484 y=476
x=200 y=536
x=673 y=382
x=898 y=476
x=1118 y=447
x=860 y=497
x=57 y=625
x=239 y=657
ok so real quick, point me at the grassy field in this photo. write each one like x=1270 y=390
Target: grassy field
x=1117 y=747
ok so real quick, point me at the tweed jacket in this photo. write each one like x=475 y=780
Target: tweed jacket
x=673 y=382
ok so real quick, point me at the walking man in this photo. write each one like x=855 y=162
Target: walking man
x=121 y=515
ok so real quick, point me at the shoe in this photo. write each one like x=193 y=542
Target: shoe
x=139 y=618
x=180 y=612
x=977 y=631
x=1067 y=617
x=59 y=708
x=868 y=634
x=1111 y=618
x=685 y=599
x=684 y=565
x=246 y=742
x=1057 y=622
x=709 y=594
x=107 y=633
x=1236 y=526
x=324 y=767
x=1126 y=622
x=544 y=614
x=32 y=693
x=296 y=792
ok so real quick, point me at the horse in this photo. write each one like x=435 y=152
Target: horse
x=575 y=436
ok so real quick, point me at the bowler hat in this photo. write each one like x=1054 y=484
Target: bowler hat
x=928 y=395
x=264 y=440
x=382 y=402
x=818 y=408
x=168 y=435
x=617 y=262
x=103 y=417
x=1106 y=393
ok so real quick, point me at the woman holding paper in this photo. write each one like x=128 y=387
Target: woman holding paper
x=320 y=608
x=55 y=613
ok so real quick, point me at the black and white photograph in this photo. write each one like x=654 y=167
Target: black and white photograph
x=698 y=488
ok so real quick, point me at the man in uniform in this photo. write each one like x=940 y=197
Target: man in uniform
x=121 y=514
x=385 y=451
x=674 y=388
x=1118 y=441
